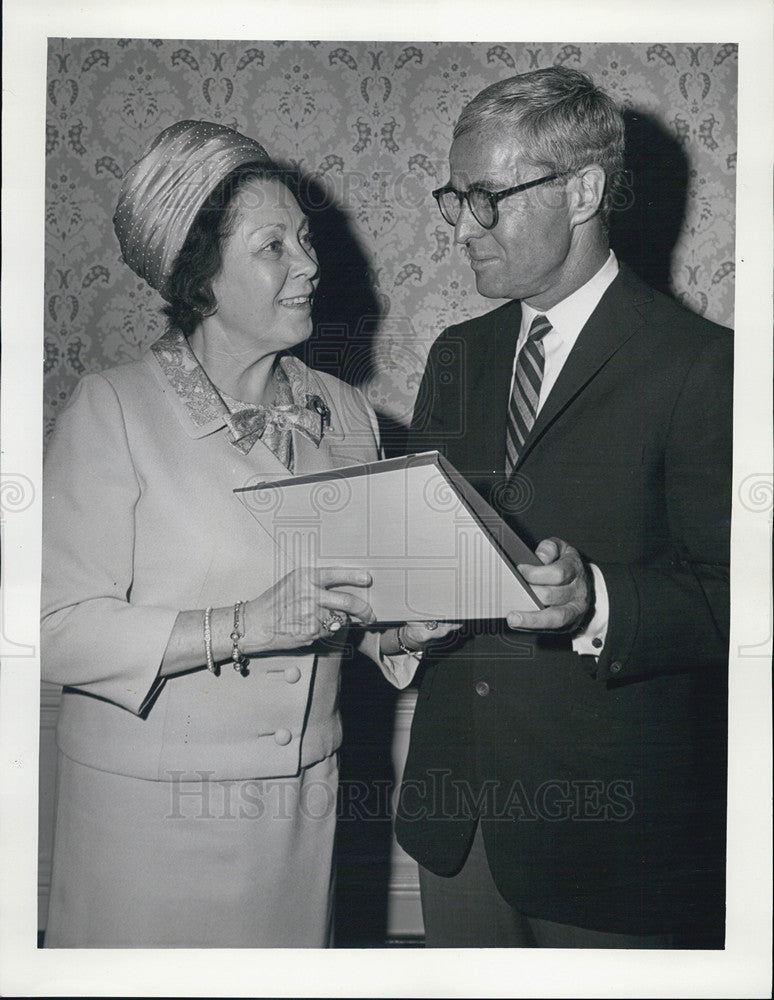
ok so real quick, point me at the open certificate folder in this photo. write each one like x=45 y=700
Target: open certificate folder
x=433 y=545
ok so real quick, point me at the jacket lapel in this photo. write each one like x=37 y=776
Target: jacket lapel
x=309 y=457
x=615 y=320
x=490 y=388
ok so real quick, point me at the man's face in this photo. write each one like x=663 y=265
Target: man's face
x=528 y=253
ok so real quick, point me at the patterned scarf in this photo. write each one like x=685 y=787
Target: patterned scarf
x=293 y=407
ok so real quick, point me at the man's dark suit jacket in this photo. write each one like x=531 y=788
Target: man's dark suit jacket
x=600 y=783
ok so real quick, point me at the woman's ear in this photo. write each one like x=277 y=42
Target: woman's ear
x=588 y=189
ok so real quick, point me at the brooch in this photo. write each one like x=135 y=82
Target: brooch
x=320 y=407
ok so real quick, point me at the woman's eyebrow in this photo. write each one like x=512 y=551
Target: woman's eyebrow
x=253 y=230
x=266 y=225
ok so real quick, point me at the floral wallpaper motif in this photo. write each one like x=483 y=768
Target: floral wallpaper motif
x=370 y=123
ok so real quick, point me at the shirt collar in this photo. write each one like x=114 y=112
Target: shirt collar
x=569 y=316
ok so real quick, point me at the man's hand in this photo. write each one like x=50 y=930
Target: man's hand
x=562 y=583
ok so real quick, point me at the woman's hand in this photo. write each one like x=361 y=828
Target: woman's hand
x=291 y=613
x=415 y=636
x=419 y=634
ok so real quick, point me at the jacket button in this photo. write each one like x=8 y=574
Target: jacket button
x=615 y=667
x=482 y=689
x=292 y=675
x=282 y=737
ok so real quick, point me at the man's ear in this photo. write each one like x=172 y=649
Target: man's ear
x=587 y=191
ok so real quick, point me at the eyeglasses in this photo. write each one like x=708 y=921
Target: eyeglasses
x=481 y=202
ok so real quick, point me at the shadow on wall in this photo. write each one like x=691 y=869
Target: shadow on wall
x=646 y=226
x=348 y=309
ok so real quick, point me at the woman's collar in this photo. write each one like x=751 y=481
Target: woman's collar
x=194 y=398
x=197 y=402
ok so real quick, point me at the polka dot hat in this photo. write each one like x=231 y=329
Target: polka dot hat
x=163 y=192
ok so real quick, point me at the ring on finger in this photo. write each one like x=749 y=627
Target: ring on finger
x=332 y=622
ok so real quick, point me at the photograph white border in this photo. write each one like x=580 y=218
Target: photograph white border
x=743 y=969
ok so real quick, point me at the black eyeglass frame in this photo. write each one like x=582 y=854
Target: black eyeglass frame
x=493 y=197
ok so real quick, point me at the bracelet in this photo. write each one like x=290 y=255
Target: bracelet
x=210 y=660
x=240 y=662
x=419 y=653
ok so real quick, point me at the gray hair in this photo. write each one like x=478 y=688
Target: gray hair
x=561 y=118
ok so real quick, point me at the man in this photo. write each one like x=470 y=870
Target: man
x=565 y=780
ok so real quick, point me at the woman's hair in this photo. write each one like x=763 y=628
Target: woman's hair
x=189 y=290
x=562 y=120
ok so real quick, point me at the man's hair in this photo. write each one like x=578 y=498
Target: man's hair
x=560 y=117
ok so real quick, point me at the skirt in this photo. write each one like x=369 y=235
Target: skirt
x=192 y=863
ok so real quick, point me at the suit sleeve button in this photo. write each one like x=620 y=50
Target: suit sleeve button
x=615 y=667
x=282 y=737
x=482 y=689
x=292 y=675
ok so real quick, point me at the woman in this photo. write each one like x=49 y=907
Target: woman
x=196 y=802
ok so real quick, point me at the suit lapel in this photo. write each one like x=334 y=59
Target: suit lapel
x=615 y=320
x=490 y=389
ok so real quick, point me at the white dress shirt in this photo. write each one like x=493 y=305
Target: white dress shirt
x=567 y=319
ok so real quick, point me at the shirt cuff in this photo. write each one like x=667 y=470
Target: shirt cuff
x=590 y=640
x=398 y=668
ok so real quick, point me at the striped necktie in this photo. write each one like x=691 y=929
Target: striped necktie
x=525 y=396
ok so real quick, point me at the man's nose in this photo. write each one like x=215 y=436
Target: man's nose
x=467 y=226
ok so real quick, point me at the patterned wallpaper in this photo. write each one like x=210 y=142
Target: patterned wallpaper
x=369 y=123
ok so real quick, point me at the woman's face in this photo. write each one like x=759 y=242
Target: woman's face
x=268 y=272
